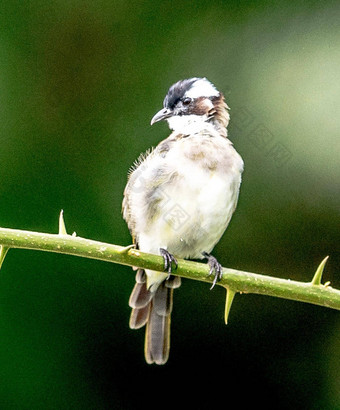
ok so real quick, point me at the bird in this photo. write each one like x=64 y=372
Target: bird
x=178 y=201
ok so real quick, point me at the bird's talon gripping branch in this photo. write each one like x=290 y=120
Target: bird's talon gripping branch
x=168 y=259
x=215 y=267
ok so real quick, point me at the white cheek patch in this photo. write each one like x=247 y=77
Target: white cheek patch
x=202 y=88
x=181 y=123
x=208 y=104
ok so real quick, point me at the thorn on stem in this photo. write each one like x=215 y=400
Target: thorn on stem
x=3 y=252
x=62 y=227
x=318 y=274
x=228 y=302
x=127 y=248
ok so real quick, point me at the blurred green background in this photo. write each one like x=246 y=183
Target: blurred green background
x=79 y=83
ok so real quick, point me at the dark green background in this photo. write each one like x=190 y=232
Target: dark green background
x=79 y=83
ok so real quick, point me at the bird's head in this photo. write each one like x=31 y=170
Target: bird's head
x=193 y=102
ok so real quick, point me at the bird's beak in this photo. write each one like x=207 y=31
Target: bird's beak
x=163 y=114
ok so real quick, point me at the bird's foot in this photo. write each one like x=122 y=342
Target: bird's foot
x=168 y=259
x=215 y=267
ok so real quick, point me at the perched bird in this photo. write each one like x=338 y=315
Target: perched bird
x=179 y=200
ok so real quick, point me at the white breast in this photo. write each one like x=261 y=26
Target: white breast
x=197 y=205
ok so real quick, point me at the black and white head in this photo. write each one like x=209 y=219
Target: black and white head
x=193 y=102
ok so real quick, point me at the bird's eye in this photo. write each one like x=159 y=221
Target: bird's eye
x=186 y=101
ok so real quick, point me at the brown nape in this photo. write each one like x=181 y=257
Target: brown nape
x=216 y=109
x=221 y=110
x=201 y=106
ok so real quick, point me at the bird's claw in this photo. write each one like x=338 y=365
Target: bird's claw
x=168 y=259
x=215 y=267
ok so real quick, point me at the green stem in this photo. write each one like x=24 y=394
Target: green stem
x=238 y=281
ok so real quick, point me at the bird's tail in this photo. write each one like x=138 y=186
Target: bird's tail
x=153 y=309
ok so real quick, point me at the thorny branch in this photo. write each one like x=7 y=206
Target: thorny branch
x=233 y=280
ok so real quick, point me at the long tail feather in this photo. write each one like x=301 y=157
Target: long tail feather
x=154 y=310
